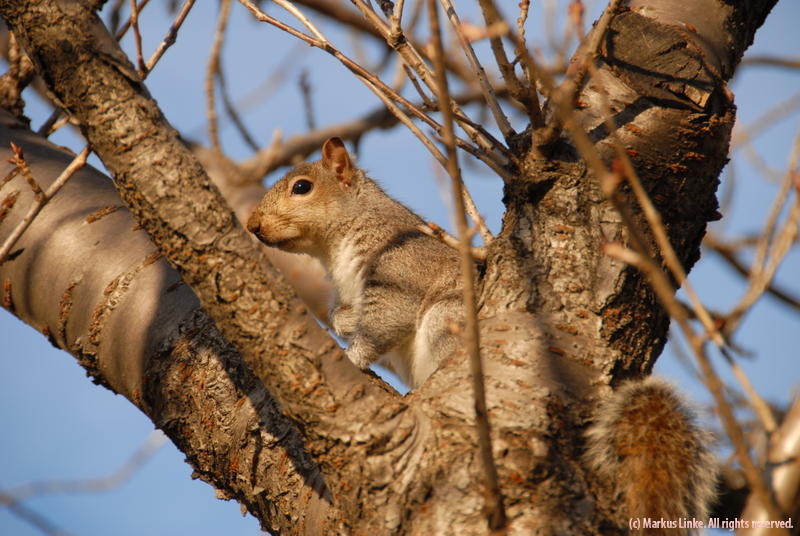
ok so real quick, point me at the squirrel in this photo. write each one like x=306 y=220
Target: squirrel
x=398 y=297
x=398 y=293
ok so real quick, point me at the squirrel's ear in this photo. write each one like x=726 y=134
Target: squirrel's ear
x=335 y=158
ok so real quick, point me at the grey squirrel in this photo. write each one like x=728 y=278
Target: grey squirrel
x=397 y=290
x=398 y=297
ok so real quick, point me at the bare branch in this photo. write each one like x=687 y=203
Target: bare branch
x=171 y=36
x=137 y=38
x=488 y=92
x=524 y=7
x=432 y=229
x=299 y=147
x=41 y=200
x=35 y=519
x=771 y=61
x=414 y=60
x=308 y=105
x=146 y=450
x=288 y=6
x=763 y=269
x=126 y=26
x=776 y=113
x=348 y=17
x=212 y=71
x=492 y=158
x=397 y=17
x=728 y=252
x=587 y=54
x=230 y=109
x=495 y=510
x=497 y=27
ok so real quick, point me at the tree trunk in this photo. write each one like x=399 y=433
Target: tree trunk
x=324 y=448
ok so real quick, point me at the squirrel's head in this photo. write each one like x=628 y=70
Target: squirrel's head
x=299 y=209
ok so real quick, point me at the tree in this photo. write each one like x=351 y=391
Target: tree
x=560 y=319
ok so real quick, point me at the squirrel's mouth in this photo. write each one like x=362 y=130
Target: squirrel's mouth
x=280 y=244
x=290 y=245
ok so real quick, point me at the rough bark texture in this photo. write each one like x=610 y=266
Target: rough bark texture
x=559 y=319
x=88 y=277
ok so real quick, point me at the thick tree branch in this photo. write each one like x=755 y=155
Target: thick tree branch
x=169 y=194
x=87 y=277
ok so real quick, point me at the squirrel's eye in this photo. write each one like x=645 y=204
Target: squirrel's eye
x=302 y=187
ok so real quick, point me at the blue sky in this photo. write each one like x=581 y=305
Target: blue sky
x=58 y=425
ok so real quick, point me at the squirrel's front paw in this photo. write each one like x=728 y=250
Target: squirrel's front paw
x=344 y=321
x=361 y=353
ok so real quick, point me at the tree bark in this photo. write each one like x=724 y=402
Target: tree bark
x=559 y=320
x=89 y=278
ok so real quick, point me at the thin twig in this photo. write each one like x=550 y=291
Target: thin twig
x=495 y=510
x=339 y=12
x=576 y=11
x=496 y=27
x=35 y=519
x=386 y=94
x=137 y=38
x=22 y=165
x=303 y=145
x=524 y=8
x=426 y=100
x=211 y=74
x=126 y=26
x=763 y=269
x=115 y=15
x=760 y=279
x=412 y=57
x=154 y=441
x=778 y=112
x=588 y=53
x=230 y=109
x=520 y=48
x=771 y=61
x=288 y=6
x=41 y=200
x=171 y=36
x=265 y=88
x=308 y=105
x=397 y=18
x=433 y=230
x=362 y=73
x=488 y=92
x=475 y=216
x=47 y=127
x=783 y=459
x=527 y=96
x=403 y=118
x=728 y=253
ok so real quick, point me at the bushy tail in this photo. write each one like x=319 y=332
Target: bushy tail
x=647 y=441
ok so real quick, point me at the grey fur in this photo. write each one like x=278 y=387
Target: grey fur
x=397 y=290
